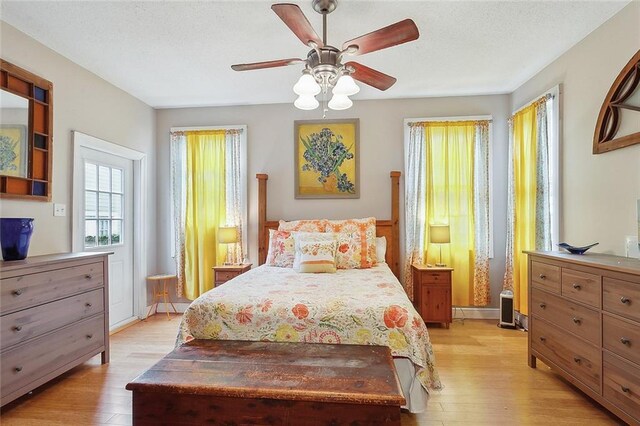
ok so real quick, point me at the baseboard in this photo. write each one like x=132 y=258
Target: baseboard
x=181 y=307
x=124 y=324
x=475 y=313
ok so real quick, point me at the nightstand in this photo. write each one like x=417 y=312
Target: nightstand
x=432 y=293
x=223 y=273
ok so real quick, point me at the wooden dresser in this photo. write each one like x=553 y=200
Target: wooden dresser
x=584 y=322
x=432 y=290
x=53 y=316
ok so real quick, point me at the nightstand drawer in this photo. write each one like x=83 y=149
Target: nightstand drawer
x=223 y=276
x=435 y=277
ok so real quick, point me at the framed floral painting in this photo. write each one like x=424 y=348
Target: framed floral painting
x=326 y=159
x=13 y=150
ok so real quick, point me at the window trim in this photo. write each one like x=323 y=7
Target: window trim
x=488 y=118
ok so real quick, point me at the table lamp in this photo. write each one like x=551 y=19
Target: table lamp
x=439 y=234
x=227 y=235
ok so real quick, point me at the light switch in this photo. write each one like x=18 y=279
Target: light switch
x=59 y=209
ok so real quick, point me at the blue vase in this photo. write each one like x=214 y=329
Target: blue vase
x=15 y=235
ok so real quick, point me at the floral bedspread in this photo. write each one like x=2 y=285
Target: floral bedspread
x=354 y=306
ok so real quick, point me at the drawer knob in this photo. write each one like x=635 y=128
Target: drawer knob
x=625 y=300
x=17 y=292
x=17 y=369
x=625 y=341
x=17 y=328
x=542 y=276
x=543 y=339
x=577 y=359
x=577 y=286
x=543 y=305
x=88 y=305
x=89 y=336
x=625 y=389
x=576 y=321
x=88 y=276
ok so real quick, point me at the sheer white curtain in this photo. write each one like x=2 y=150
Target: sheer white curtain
x=481 y=219
x=235 y=195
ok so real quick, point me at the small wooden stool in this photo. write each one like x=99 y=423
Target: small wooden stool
x=160 y=281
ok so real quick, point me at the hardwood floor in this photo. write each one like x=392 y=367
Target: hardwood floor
x=484 y=369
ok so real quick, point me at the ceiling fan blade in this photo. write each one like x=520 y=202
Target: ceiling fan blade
x=370 y=76
x=393 y=35
x=293 y=17
x=266 y=64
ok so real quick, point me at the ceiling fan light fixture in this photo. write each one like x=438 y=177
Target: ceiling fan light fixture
x=339 y=102
x=346 y=86
x=306 y=86
x=306 y=102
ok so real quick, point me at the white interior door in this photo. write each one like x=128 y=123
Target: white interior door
x=106 y=218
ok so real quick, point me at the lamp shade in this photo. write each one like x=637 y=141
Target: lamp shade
x=439 y=234
x=307 y=85
x=227 y=235
x=346 y=86
x=306 y=102
x=339 y=102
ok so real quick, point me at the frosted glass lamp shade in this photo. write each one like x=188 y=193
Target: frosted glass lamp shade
x=346 y=86
x=306 y=85
x=227 y=235
x=306 y=102
x=439 y=234
x=339 y=102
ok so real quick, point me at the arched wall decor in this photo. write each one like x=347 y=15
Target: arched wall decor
x=624 y=87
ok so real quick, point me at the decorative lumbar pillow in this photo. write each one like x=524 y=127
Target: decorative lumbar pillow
x=308 y=237
x=381 y=249
x=316 y=256
x=359 y=251
x=313 y=225
x=281 y=249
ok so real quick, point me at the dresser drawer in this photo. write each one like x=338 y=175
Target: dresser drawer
x=546 y=277
x=621 y=384
x=34 y=289
x=621 y=297
x=583 y=360
x=621 y=338
x=33 y=360
x=582 y=287
x=435 y=277
x=225 y=276
x=29 y=323
x=577 y=319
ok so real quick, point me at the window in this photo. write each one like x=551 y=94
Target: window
x=448 y=184
x=104 y=205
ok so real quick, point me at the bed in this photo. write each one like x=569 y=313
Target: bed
x=352 y=306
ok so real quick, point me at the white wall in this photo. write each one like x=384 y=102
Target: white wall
x=87 y=103
x=598 y=192
x=270 y=150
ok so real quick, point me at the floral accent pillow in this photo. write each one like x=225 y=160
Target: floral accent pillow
x=312 y=225
x=308 y=237
x=281 y=249
x=317 y=256
x=356 y=242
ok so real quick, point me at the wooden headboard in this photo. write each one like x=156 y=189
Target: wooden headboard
x=390 y=229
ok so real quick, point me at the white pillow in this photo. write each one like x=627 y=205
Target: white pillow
x=299 y=237
x=381 y=249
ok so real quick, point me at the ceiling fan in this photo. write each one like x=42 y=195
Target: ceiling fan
x=324 y=67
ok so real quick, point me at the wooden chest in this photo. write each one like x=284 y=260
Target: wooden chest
x=584 y=321
x=53 y=316
x=236 y=382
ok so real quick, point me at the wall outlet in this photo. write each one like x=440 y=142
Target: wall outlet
x=59 y=209
x=632 y=247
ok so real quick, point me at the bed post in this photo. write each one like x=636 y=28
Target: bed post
x=262 y=217
x=395 y=222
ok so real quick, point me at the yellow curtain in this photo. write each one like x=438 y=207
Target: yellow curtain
x=524 y=124
x=449 y=187
x=205 y=209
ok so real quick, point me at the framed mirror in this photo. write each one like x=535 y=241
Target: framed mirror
x=26 y=134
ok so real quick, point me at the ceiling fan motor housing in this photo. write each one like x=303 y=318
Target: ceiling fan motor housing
x=325 y=66
x=325 y=6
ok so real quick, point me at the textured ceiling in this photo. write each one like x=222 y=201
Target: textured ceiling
x=172 y=54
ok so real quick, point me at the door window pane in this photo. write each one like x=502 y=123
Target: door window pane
x=116 y=180
x=103 y=232
x=116 y=206
x=116 y=231
x=104 y=179
x=104 y=205
x=90 y=204
x=90 y=233
x=90 y=176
